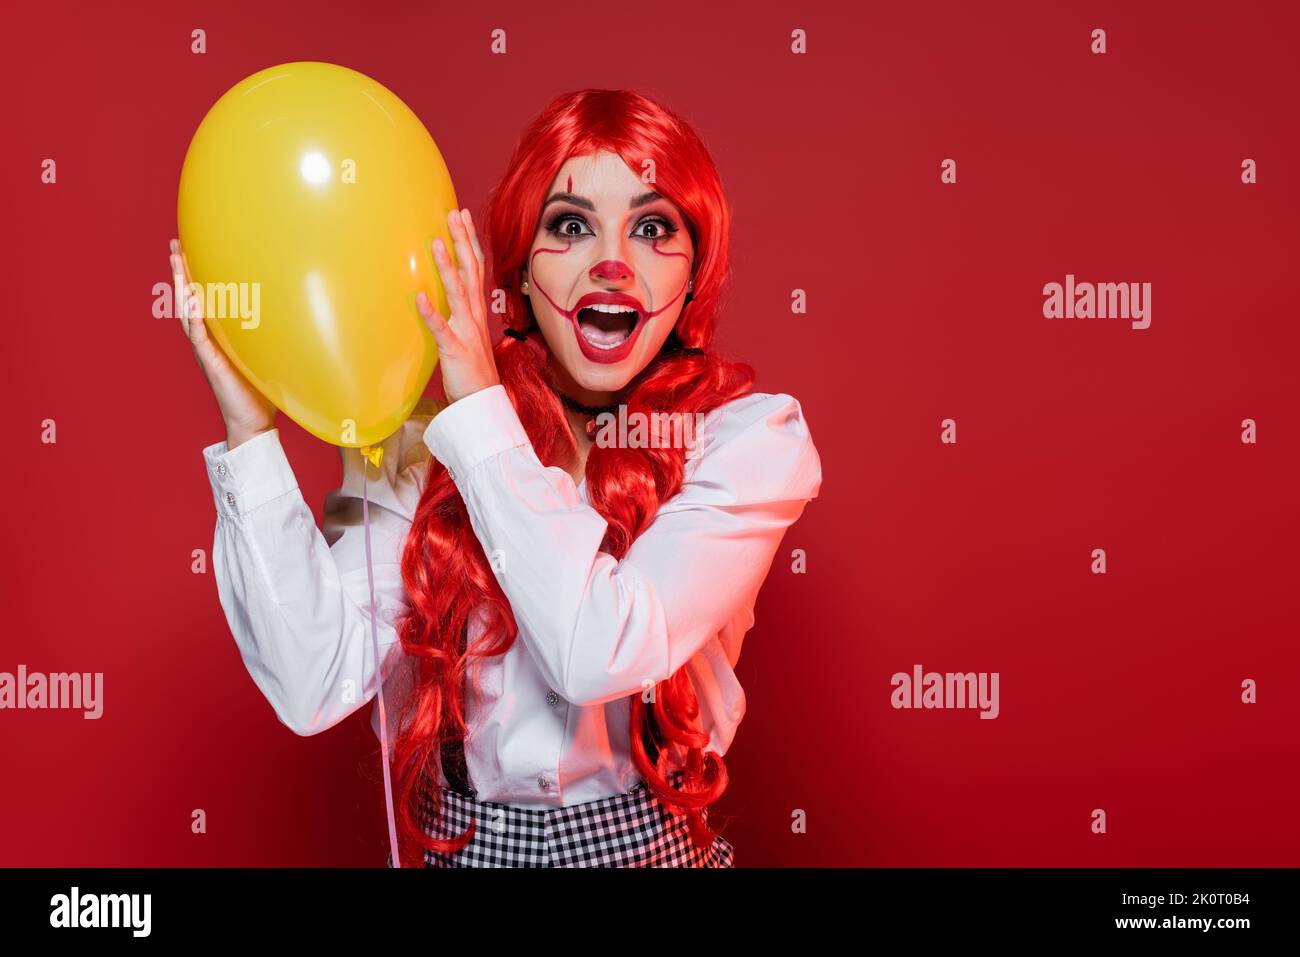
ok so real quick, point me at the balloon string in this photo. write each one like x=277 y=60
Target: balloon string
x=379 y=677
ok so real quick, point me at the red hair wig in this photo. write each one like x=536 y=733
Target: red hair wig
x=444 y=568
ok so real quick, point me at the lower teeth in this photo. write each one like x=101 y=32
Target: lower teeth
x=606 y=345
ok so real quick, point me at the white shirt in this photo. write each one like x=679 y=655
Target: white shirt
x=549 y=722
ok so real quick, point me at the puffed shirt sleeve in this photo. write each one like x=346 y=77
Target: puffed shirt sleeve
x=600 y=628
x=296 y=598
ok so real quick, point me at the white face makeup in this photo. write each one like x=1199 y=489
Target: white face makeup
x=607 y=273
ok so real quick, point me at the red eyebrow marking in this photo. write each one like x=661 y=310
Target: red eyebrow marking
x=570 y=187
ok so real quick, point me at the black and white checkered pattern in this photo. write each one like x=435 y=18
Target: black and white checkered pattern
x=623 y=830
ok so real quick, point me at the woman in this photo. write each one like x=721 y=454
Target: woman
x=562 y=577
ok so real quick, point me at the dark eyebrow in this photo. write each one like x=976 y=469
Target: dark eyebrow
x=641 y=200
x=644 y=198
x=570 y=198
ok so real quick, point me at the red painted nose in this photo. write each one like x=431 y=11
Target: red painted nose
x=611 y=270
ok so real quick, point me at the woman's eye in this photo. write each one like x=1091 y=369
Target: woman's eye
x=560 y=226
x=662 y=228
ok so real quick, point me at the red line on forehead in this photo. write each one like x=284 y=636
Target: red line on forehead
x=569 y=189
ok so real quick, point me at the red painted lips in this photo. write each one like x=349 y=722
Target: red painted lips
x=605 y=354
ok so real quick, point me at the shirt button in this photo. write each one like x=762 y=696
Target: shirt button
x=543 y=782
x=230 y=499
x=552 y=698
x=221 y=468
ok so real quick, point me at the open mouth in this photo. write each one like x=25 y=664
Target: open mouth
x=607 y=326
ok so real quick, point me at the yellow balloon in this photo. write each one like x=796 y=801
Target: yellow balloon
x=308 y=201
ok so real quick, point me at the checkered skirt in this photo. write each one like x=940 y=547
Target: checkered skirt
x=623 y=830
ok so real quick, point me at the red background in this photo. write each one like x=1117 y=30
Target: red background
x=1119 y=691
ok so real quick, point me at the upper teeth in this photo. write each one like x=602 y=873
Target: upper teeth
x=608 y=307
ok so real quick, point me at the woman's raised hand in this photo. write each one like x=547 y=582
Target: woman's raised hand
x=245 y=411
x=464 y=343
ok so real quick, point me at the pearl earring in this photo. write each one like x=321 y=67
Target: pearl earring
x=524 y=288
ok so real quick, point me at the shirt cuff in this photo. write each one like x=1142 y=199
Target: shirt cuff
x=249 y=475
x=473 y=429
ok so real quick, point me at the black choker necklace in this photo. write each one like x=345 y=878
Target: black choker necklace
x=591 y=411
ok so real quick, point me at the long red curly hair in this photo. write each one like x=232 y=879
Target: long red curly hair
x=445 y=571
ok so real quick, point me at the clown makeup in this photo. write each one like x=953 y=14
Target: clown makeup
x=607 y=274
